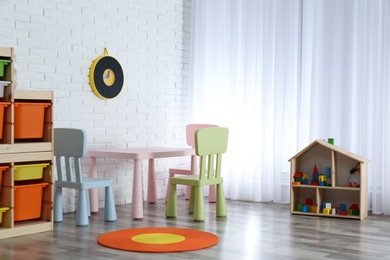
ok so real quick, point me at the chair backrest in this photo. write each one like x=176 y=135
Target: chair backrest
x=210 y=144
x=190 y=132
x=69 y=146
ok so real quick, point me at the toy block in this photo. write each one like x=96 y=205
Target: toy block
x=304 y=181
x=305 y=208
x=309 y=201
x=354 y=210
x=328 y=205
x=333 y=211
x=322 y=178
x=313 y=209
x=305 y=177
x=296 y=183
x=328 y=172
x=298 y=174
x=327 y=211
x=315 y=171
x=299 y=207
x=343 y=206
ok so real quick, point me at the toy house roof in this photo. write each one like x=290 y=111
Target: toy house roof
x=323 y=143
x=298 y=174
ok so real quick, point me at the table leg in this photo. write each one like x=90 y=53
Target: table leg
x=93 y=193
x=137 y=211
x=152 y=189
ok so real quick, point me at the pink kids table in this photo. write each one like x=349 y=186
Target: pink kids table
x=137 y=154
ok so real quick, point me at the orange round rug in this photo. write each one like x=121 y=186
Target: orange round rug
x=158 y=239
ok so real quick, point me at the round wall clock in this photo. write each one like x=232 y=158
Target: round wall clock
x=106 y=76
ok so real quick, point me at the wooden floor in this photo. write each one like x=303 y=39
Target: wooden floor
x=251 y=231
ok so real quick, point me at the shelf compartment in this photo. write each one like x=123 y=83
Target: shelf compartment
x=3 y=84
x=2 y=170
x=28 y=201
x=336 y=197
x=3 y=64
x=29 y=120
x=29 y=171
x=3 y=105
x=302 y=193
x=2 y=210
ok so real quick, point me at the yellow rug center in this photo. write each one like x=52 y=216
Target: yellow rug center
x=158 y=238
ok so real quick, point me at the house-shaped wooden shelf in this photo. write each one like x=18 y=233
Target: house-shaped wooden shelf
x=319 y=175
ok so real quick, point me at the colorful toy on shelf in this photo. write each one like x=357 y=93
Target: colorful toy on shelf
x=298 y=177
x=342 y=210
x=322 y=180
x=354 y=178
x=354 y=210
x=307 y=206
x=343 y=213
x=305 y=179
x=328 y=172
x=315 y=176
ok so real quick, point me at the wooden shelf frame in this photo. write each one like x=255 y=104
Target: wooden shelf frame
x=25 y=151
x=322 y=154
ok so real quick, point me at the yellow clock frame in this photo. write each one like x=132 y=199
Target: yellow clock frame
x=106 y=76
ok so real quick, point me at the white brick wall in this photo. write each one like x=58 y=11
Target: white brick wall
x=55 y=43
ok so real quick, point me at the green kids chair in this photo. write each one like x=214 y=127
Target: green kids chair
x=210 y=144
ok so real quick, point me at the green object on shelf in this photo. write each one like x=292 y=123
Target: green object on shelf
x=3 y=63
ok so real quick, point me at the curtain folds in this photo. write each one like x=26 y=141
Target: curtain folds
x=281 y=74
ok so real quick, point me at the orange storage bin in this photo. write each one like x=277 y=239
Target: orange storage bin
x=29 y=119
x=2 y=169
x=28 y=201
x=2 y=210
x=3 y=105
x=29 y=171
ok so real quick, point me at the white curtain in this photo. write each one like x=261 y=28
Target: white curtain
x=281 y=74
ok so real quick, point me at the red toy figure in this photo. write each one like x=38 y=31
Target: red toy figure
x=354 y=178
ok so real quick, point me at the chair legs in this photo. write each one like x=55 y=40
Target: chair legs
x=109 y=205
x=82 y=213
x=83 y=210
x=191 y=206
x=221 y=202
x=171 y=208
x=168 y=187
x=58 y=211
x=198 y=204
x=187 y=192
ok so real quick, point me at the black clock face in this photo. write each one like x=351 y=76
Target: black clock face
x=106 y=77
